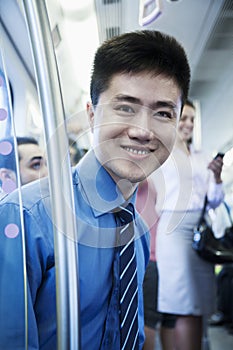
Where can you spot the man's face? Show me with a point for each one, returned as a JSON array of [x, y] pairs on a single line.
[[134, 124], [32, 164]]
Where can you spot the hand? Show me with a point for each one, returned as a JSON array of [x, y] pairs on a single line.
[[216, 166]]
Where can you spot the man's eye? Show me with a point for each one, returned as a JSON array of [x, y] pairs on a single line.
[[125, 109], [36, 165], [163, 114]]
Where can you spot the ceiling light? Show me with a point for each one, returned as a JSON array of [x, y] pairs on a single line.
[[77, 9], [149, 11]]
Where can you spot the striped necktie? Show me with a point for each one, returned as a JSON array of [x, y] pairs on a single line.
[[128, 280]]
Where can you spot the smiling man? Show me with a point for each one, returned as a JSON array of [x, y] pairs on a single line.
[[139, 83]]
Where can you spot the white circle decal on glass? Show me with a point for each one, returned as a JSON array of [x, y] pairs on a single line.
[[11, 230]]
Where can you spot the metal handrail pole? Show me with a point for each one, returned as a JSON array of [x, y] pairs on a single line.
[[60, 177]]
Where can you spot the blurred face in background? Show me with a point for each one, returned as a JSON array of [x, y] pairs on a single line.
[[186, 123], [32, 163]]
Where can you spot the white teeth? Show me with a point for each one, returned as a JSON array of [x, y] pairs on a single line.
[[136, 151]]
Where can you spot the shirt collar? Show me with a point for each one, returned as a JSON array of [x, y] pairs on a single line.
[[98, 186]]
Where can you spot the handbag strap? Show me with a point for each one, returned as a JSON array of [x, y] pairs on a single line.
[[203, 210]]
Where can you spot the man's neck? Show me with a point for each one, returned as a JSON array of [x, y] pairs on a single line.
[[126, 187]]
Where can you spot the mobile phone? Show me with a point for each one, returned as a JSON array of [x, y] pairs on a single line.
[[219, 155]]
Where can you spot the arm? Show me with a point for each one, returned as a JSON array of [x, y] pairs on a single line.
[[12, 290], [40, 296], [215, 191], [216, 166]]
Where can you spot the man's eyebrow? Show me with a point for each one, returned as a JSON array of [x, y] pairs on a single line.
[[127, 98], [164, 103], [153, 105], [35, 158]]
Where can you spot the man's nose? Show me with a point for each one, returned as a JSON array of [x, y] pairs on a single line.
[[140, 127]]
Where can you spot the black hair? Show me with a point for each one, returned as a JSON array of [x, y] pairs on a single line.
[[26, 140], [136, 52], [189, 103], [8, 161], [79, 152], [22, 140]]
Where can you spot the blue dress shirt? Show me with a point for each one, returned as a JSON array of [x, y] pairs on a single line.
[[96, 196]]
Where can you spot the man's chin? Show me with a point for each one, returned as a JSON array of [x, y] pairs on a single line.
[[128, 170], [131, 176]]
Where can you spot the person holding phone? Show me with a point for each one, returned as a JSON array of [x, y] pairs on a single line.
[[186, 282]]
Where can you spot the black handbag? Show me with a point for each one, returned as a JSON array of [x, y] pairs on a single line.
[[207, 246]]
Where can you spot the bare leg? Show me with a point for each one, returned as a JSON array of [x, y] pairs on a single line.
[[188, 333], [150, 338], [167, 337], [205, 337]]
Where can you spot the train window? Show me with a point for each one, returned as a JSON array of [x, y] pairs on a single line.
[[6, 101], [34, 119], [8, 177]]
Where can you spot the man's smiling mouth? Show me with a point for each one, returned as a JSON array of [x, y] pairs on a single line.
[[136, 151]]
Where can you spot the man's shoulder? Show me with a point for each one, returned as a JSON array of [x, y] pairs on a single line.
[[30, 194], [34, 195]]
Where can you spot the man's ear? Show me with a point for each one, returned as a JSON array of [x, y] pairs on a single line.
[[3, 174], [91, 115], [6, 174]]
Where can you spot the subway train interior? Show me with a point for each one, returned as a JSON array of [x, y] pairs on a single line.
[[69, 33]]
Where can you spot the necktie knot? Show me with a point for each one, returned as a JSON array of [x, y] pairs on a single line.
[[124, 219], [126, 214]]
